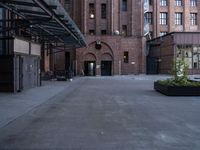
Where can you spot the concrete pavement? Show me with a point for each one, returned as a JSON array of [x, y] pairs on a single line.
[[107, 113], [13, 105]]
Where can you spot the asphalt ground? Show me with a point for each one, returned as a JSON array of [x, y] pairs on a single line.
[[106, 113]]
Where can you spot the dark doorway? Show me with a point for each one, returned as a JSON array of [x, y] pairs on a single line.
[[152, 65], [36, 71], [106, 68], [21, 70], [90, 68], [67, 61]]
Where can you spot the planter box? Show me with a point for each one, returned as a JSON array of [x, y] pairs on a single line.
[[177, 90]]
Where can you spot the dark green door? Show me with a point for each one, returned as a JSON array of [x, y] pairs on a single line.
[[152, 65], [106, 68]]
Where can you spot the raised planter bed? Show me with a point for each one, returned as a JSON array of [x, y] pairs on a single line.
[[177, 90]]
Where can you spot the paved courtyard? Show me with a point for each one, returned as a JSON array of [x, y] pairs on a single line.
[[103, 113]]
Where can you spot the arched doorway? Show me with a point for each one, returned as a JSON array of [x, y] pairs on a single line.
[[96, 61], [106, 64], [90, 65]]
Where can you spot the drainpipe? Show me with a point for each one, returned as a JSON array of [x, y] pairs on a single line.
[[156, 19]]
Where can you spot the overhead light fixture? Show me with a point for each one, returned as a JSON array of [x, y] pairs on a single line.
[[98, 45], [92, 16]]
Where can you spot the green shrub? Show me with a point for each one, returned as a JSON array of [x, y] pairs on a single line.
[[180, 71], [180, 76], [172, 82]]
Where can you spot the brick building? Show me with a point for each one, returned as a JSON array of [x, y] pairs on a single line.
[[117, 32], [173, 31], [165, 16], [175, 45], [114, 34]]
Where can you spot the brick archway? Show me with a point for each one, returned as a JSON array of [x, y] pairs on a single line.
[[106, 57], [103, 56], [89, 64], [89, 57], [107, 64], [104, 49]]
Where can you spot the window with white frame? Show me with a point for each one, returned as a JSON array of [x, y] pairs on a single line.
[[163, 18], [193, 19], [163, 2], [193, 3], [178, 3], [178, 18]]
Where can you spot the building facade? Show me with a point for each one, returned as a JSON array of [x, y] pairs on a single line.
[[122, 28], [174, 46], [114, 35], [31, 32], [173, 32], [117, 32], [165, 16], [19, 56]]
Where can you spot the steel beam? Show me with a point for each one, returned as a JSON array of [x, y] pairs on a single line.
[[24, 3], [24, 17], [45, 7], [36, 12], [54, 28]]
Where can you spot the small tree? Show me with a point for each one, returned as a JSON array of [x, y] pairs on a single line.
[[180, 71]]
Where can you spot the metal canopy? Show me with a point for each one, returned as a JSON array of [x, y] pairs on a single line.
[[48, 19]]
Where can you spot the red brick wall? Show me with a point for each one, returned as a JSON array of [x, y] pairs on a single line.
[[115, 46], [164, 52], [134, 43], [171, 9], [118, 44]]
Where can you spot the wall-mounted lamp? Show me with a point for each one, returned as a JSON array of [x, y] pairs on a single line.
[[91, 16]]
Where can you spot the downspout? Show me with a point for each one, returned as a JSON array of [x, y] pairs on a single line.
[[156, 19]]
